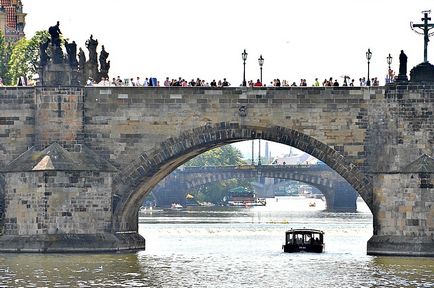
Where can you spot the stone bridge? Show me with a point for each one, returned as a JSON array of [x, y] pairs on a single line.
[[77, 162], [339, 195]]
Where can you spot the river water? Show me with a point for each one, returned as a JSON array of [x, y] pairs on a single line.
[[229, 247]]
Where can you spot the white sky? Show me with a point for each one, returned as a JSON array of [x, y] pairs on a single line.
[[204, 38]]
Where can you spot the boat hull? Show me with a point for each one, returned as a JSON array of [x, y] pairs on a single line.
[[314, 248]]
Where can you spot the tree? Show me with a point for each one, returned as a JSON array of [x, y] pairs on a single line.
[[5, 52], [24, 60], [33, 49], [18, 65], [222, 156]]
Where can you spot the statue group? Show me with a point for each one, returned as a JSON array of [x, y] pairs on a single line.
[[53, 62]]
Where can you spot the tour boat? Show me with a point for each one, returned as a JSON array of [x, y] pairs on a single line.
[[242, 197], [307, 240]]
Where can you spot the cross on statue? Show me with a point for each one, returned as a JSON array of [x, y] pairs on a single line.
[[425, 27]]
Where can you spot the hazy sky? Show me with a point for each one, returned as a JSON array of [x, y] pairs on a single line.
[[204, 38]]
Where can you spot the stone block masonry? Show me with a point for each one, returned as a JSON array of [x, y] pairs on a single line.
[[377, 138], [17, 122], [59, 114], [2, 204], [57, 202]]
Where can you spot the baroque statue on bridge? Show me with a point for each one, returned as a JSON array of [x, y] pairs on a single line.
[[55, 66], [53, 59], [104, 64], [57, 55], [81, 59], [92, 64], [402, 63], [55, 33], [91, 45], [44, 58], [71, 49], [402, 76]]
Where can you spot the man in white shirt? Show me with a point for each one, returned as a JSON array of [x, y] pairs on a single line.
[[138, 83]]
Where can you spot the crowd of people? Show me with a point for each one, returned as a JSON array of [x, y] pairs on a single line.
[[181, 82], [153, 82]]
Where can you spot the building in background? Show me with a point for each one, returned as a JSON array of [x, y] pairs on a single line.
[[12, 20], [295, 159]]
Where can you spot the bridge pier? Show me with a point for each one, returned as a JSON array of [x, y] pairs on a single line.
[[403, 205], [170, 191], [341, 198], [61, 201]]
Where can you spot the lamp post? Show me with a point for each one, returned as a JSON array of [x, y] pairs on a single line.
[[253, 152], [368, 57], [244, 56], [259, 153], [389, 62], [261, 63]]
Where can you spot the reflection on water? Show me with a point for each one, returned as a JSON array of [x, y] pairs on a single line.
[[221, 247]]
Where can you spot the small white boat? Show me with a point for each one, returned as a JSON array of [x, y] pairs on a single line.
[[176, 206], [144, 209]]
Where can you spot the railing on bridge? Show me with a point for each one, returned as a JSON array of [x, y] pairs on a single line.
[[273, 167]]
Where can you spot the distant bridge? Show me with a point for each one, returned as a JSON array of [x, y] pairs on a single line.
[[339, 195]]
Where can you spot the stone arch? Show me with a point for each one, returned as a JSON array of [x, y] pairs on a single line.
[[221, 177], [140, 176], [328, 187], [312, 180], [320, 187]]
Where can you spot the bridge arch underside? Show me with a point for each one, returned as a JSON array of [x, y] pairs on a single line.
[[331, 189], [133, 183]]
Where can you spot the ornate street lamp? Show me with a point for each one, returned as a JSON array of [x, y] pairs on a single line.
[[261, 63], [389, 60], [259, 153], [244, 56], [253, 152], [368, 57]]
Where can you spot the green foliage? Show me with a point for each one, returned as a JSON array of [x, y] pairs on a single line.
[[17, 62], [214, 192], [33, 49], [222, 156], [5, 52], [24, 58]]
